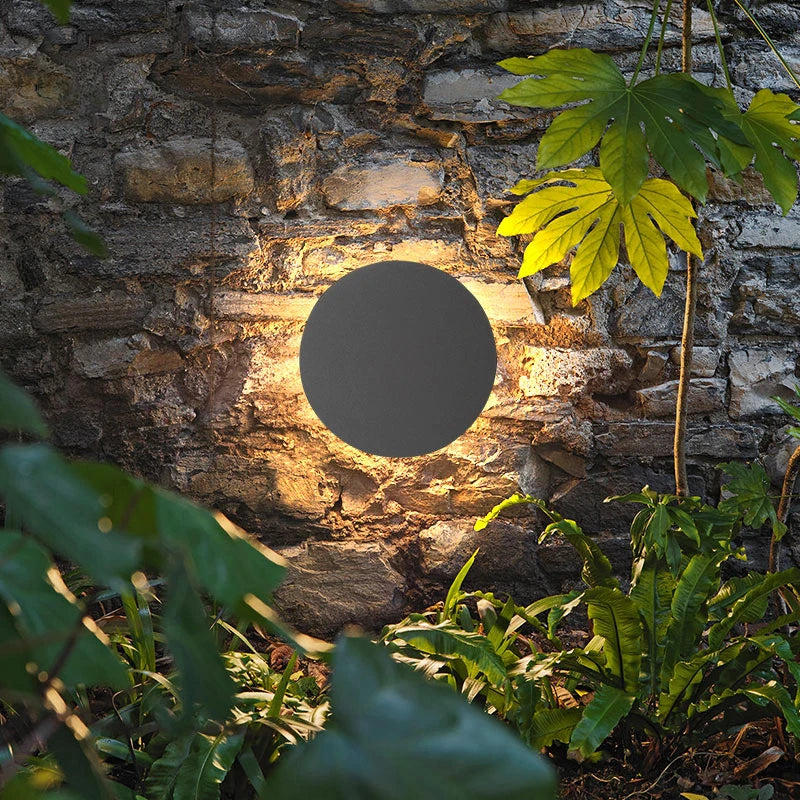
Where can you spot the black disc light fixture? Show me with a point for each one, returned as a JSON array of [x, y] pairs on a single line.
[[397, 358]]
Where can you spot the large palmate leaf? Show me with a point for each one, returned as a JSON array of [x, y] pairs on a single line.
[[668, 114], [616, 618], [395, 734], [608, 706], [771, 135], [577, 208], [751, 496]]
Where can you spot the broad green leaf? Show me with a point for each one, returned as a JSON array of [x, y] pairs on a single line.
[[748, 606], [164, 773], [685, 676], [789, 408], [669, 114], [394, 733], [18, 412], [616, 618], [554, 725], [47, 614], [202, 675], [21, 153], [652, 595], [80, 764], [608, 706], [209, 760], [689, 616], [228, 565], [38, 486], [597, 569], [751, 496], [731, 591], [585, 214], [15, 655], [446, 639], [774, 138]]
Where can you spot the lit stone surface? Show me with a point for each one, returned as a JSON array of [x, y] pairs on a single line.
[[757, 375], [383, 185], [179, 171]]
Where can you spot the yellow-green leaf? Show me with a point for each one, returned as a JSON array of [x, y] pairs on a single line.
[[578, 208]]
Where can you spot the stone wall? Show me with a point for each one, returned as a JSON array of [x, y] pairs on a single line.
[[350, 132]]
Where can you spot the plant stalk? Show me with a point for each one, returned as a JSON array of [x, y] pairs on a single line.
[[789, 480], [687, 338]]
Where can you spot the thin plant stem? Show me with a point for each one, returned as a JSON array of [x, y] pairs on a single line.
[[687, 337], [789, 479], [722, 58], [766, 37], [647, 39], [667, 12]]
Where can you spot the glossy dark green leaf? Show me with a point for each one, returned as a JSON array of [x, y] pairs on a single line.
[[21, 152], [396, 734], [47, 615], [228, 565], [84, 235], [202, 675], [38, 485], [18, 412]]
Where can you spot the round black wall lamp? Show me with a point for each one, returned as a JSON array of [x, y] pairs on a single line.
[[397, 358]]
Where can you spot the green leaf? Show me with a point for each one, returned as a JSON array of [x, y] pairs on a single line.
[[616, 618], [731, 591], [454, 592], [685, 676], [209, 760], [47, 614], [587, 215], [18, 412], [554, 725], [748, 606], [228, 565], [164, 773], [597, 569], [37, 485], [509, 502], [751, 496], [689, 617], [81, 766], [394, 734], [447, 639], [769, 130], [60, 9], [202, 675], [669, 114], [23, 154], [84, 235], [652, 595], [608, 706]]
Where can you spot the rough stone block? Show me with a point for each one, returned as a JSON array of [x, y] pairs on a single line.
[[469, 95], [769, 230], [35, 87], [504, 303], [384, 182], [705, 360], [332, 584], [423, 6], [705, 395], [252, 306], [757, 375], [555, 372], [105, 311], [750, 191], [179, 171], [239, 27], [606, 26], [133, 355]]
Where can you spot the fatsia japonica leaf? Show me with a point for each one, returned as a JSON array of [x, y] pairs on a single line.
[[577, 208], [772, 136], [670, 115]]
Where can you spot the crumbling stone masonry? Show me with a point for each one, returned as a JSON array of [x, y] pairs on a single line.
[[348, 132]]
